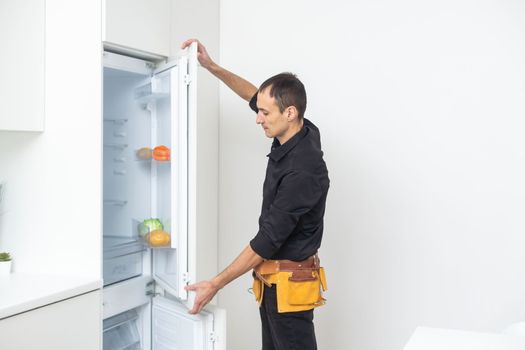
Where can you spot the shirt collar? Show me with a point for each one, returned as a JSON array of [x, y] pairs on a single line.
[[279, 151]]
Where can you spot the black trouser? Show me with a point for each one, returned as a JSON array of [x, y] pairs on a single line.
[[287, 330]]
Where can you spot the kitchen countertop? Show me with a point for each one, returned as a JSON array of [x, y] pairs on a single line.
[[21, 292]]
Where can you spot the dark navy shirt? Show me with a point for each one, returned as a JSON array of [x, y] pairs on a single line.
[[294, 197]]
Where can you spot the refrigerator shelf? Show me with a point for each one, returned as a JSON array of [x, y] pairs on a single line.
[[115, 246], [115, 202], [118, 121], [151, 98], [153, 160], [116, 145], [152, 91]]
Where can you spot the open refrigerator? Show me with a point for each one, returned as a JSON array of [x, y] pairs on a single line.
[[151, 173]]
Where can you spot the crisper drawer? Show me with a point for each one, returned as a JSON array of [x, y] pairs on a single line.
[[121, 332], [122, 259]]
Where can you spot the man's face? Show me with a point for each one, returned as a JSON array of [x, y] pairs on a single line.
[[274, 123]]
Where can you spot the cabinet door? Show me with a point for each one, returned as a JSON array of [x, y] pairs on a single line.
[[139, 24], [70, 324], [175, 193], [22, 38], [173, 328]]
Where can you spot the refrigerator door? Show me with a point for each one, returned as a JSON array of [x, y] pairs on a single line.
[[174, 329], [170, 266]]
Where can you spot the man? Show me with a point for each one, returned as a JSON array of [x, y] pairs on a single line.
[[283, 254]]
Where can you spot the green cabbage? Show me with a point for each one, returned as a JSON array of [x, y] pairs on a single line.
[[149, 225]]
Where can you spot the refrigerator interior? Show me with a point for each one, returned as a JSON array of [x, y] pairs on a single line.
[[144, 307], [136, 116]]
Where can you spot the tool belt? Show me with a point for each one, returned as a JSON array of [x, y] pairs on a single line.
[[299, 284]]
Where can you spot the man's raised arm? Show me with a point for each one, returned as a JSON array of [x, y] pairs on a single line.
[[240, 86]]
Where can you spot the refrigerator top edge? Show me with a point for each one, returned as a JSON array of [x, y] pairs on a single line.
[[132, 52], [128, 64]]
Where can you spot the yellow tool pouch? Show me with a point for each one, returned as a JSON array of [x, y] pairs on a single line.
[[257, 289], [304, 289], [297, 290]]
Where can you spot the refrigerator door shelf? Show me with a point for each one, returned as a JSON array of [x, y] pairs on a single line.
[[158, 162], [154, 236], [147, 244], [157, 155]]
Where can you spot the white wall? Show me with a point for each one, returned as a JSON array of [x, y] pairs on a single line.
[[53, 178], [420, 105]]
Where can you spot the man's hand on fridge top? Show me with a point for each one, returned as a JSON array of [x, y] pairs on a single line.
[[205, 291], [240, 86], [202, 55]]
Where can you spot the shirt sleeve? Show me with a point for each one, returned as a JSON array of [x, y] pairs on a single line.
[[253, 103], [297, 194]]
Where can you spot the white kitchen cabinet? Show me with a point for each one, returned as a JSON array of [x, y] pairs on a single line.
[[139, 24], [22, 71], [69, 324]]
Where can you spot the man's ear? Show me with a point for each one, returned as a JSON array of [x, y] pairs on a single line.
[[292, 113]]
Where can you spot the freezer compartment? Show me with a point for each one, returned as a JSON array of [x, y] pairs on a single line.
[[128, 303], [122, 258], [174, 328], [122, 332]]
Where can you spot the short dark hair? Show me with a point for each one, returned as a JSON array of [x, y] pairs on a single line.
[[287, 90]]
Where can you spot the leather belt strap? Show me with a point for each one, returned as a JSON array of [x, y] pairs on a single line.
[[268, 267]]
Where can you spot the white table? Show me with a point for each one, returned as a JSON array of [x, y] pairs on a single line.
[[447, 339]]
